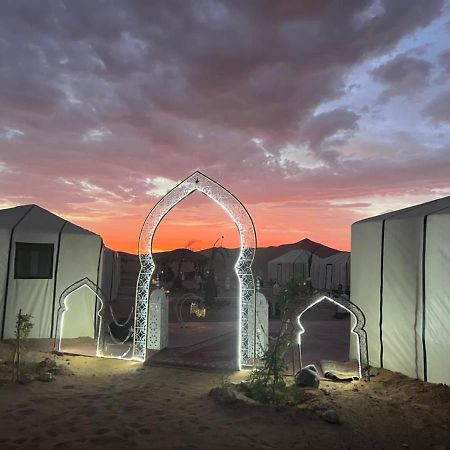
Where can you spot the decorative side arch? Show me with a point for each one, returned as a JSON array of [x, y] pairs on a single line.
[[85, 282], [358, 329], [239, 214]]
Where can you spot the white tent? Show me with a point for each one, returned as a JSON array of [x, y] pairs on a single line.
[[41, 255], [291, 265], [332, 273], [400, 279]]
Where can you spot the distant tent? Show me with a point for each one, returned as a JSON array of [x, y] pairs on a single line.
[[291, 265], [41, 255], [400, 279], [332, 273]]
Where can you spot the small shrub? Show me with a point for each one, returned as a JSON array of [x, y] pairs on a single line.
[[24, 325]]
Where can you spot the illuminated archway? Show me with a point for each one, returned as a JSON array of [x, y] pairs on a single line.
[[358, 329], [240, 216], [63, 308]]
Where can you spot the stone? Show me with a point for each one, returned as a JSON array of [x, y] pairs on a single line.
[[373, 371], [223, 394], [330, 416], [25, 378], [51, 366], [46, 377], [307, 377], [62, 369]]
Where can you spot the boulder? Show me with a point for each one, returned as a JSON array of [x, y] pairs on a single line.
[[223, 394], [330, 416], [46, 377], [307, 377]]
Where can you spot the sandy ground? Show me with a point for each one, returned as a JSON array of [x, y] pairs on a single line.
[[117, 404]]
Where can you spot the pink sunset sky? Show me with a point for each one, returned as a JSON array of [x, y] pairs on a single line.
[[315, 114]]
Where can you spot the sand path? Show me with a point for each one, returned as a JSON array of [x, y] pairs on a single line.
[[115, 404]]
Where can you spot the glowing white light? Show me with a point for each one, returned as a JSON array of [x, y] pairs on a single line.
[[358, 329], [240, 216], [65, 308]]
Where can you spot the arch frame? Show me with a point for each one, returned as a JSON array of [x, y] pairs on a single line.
[[89, 284], [198, 182], [358, 329]]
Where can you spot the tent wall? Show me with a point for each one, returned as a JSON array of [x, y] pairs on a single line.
[[8, 224], [400, 267], [437, 298], [32, 296], [332, 272], [367, 238], [80, 257], [76, 255], [292, 265]]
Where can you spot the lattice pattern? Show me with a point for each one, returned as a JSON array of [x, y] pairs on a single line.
[[259, 326], [199, 182], [158, 321]]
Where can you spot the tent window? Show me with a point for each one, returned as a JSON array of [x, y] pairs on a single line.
[[33, 260]]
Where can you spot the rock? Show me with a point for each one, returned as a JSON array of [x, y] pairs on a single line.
[[373, 371], [330, 416], [223, 394], [62, 369], [53, 367], [307, 377], [25, 378], [46, 377]]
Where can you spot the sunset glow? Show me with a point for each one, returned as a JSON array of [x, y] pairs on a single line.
[[314, 115]]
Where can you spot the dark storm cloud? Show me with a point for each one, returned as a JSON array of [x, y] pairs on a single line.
[[185, 85], [438, 110], [444, 60], [403, 75], [322, 126]]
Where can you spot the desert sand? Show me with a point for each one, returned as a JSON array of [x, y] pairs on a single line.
[[116, 404]]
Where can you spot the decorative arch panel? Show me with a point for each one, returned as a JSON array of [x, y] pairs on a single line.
[[239, 214], [358, 329]]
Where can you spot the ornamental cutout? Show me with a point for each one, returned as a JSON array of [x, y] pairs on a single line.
[[239, 214], [358, 329]]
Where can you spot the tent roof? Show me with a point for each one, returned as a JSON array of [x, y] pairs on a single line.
[[292, 256], [441, 206], [44, 220]]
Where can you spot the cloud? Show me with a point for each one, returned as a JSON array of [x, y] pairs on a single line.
[[444, 61], [118, 100], [403, 75], [9, 134], [96, 135], [159, 186], [323, 126], [438, 110]]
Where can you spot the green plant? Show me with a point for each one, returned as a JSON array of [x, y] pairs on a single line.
[[24, 325], [267, 383]]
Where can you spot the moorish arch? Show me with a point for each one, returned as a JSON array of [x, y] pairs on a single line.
[[358, 329], [240, 216]]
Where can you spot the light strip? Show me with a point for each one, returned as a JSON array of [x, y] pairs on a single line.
[[236, 210], [358, 328]]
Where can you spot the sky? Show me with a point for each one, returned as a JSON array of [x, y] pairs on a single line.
[[315, 114]]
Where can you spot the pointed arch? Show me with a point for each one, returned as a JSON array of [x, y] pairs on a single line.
[[88, 284], [240, 216], [358, 329]]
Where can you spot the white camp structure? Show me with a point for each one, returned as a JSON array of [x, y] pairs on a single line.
[[331, 273], [291, 265], [41, 255], [400, 279]]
